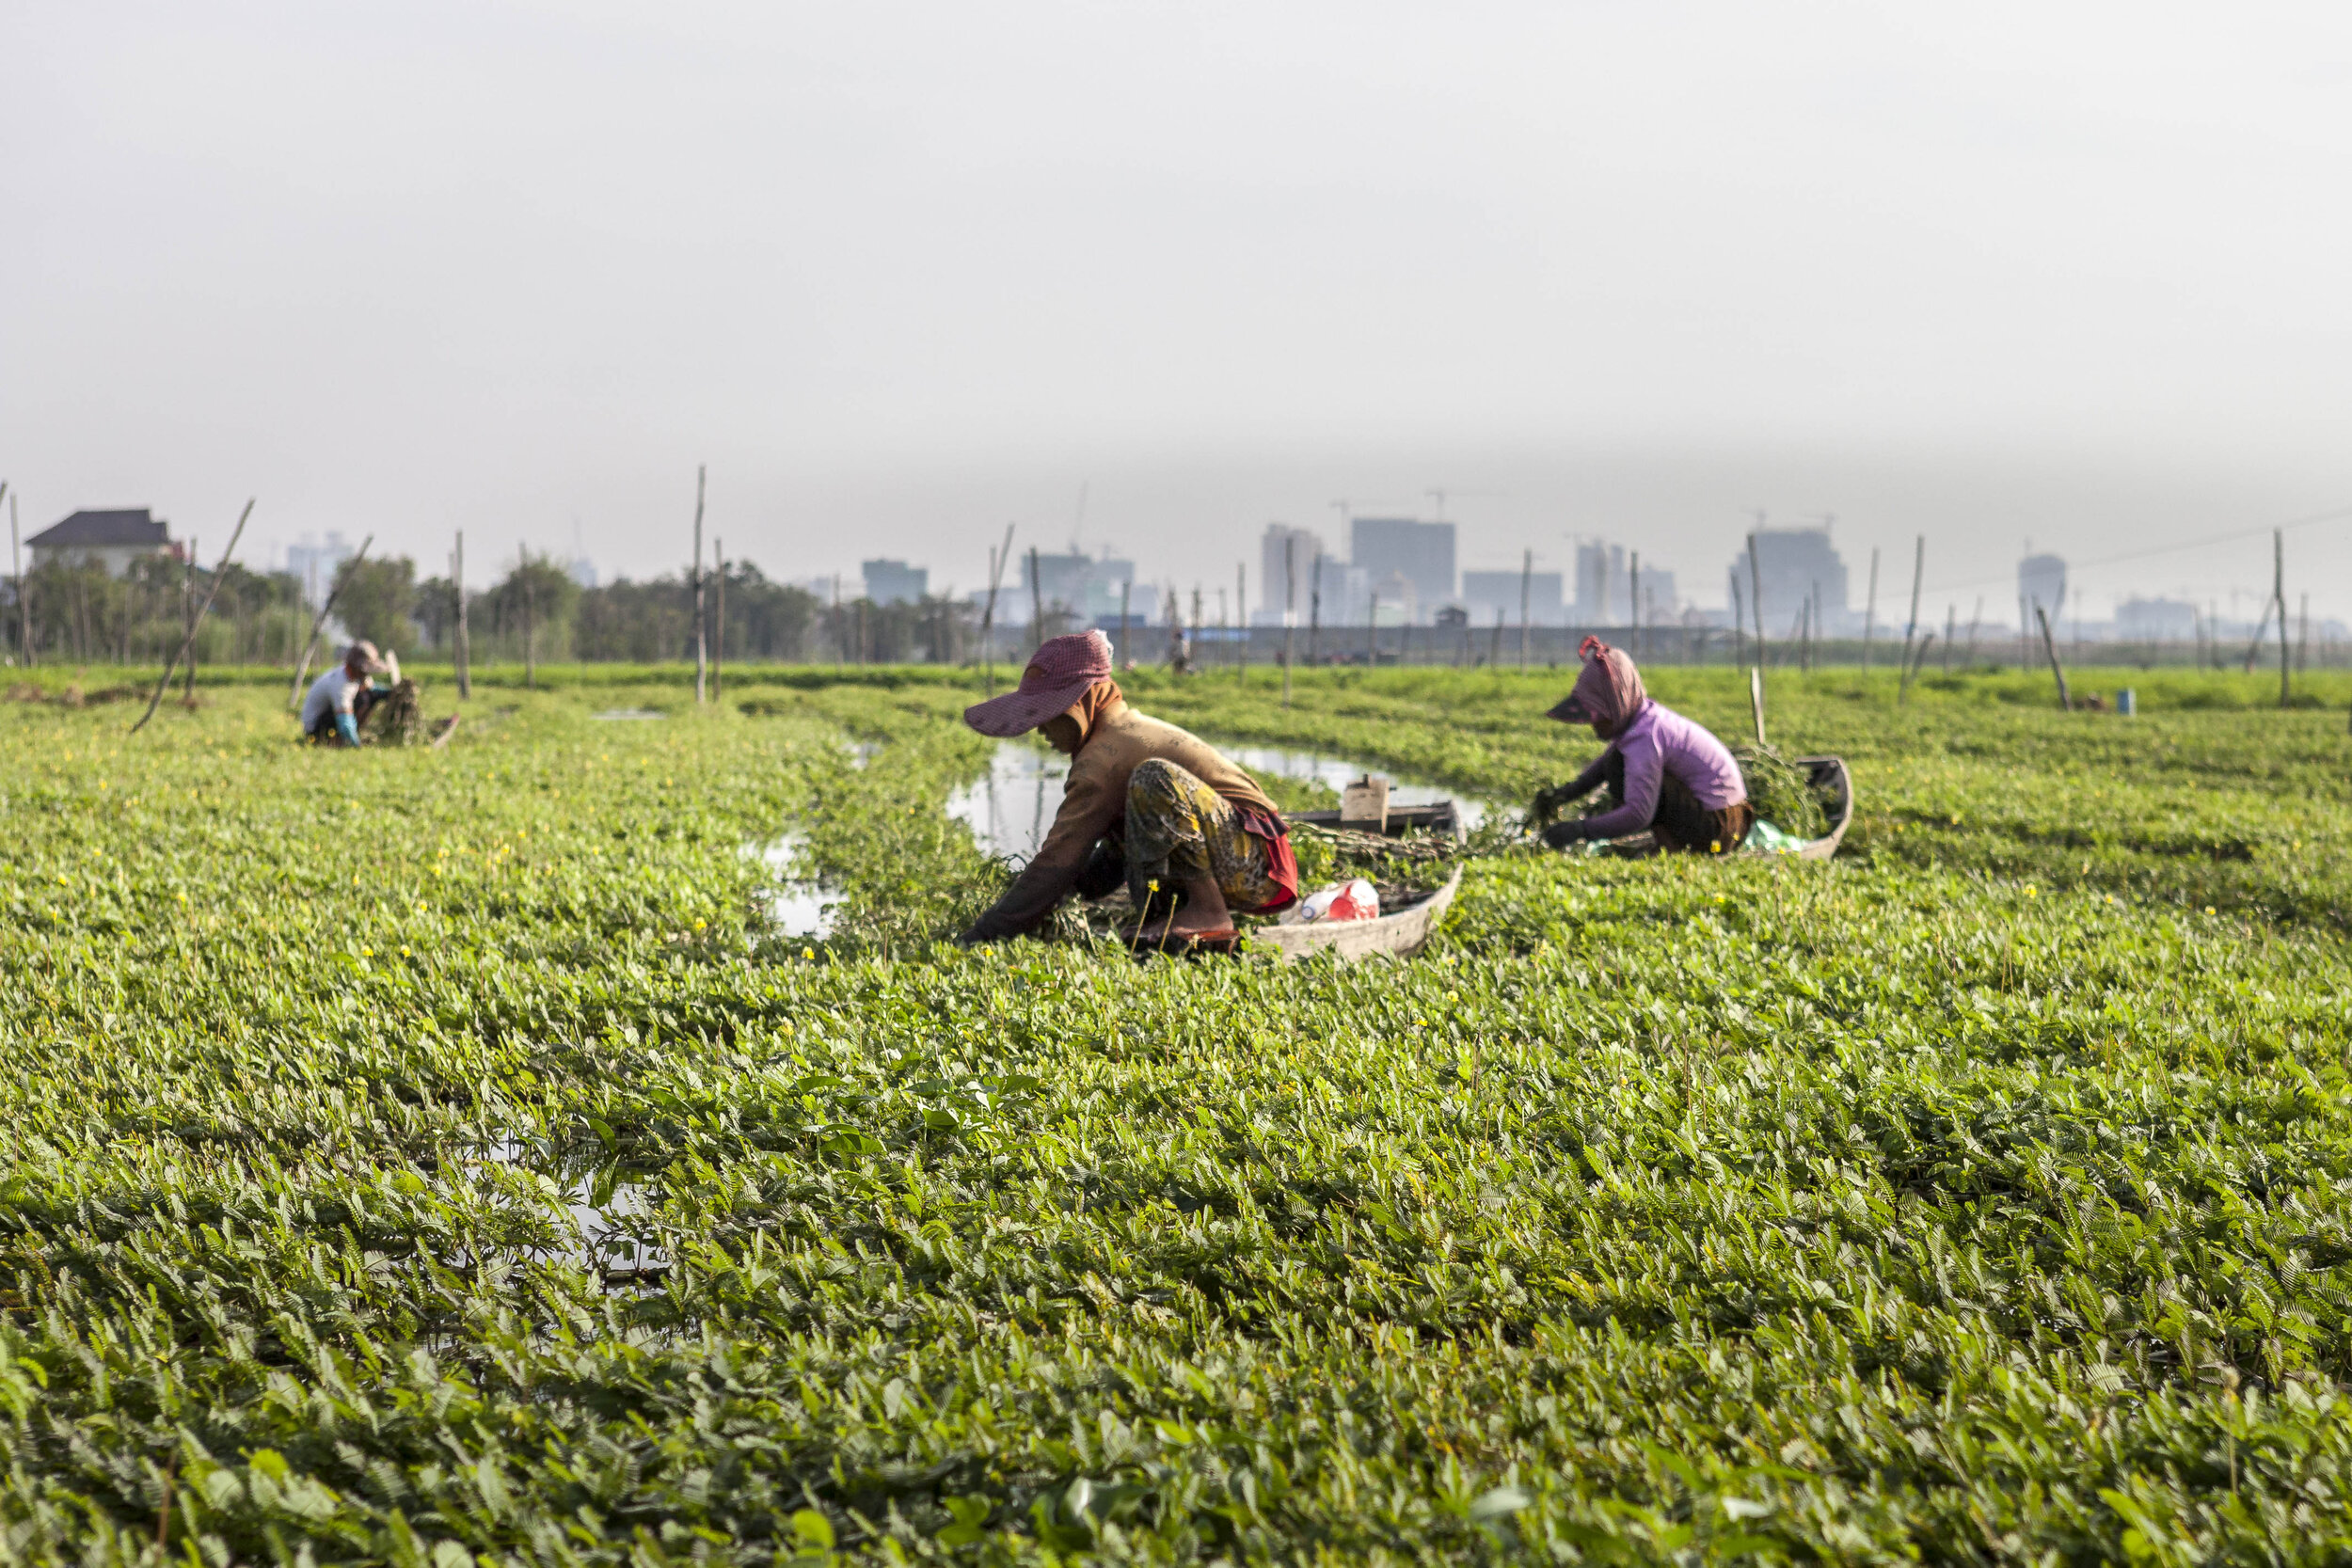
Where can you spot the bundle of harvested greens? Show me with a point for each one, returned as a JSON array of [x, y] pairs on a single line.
[[1781, 792], [398, 715]]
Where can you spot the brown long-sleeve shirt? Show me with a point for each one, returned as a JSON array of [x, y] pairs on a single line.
[[1095, 802]]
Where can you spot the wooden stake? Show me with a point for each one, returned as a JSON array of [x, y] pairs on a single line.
[[718, 615], [702, 630], [1870, 610], [463, 649], [187, 648], [293, 697], [1756, 700], [988, 617], [1125, 655], [1314, 607], [1910, 628], [1755, 619], [187, 620], [1290, 607], [2279, 595], [2049, 646], [1527, 584], [24, 594]]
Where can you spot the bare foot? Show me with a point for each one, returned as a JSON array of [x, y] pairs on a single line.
[[1205, 913]]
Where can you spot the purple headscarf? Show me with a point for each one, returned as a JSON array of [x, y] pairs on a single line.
[[1608, 690]]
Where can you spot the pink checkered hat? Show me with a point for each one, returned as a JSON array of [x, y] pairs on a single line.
[[1060, 674]]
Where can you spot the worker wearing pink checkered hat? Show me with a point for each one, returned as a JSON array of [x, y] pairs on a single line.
[[1156, 804]]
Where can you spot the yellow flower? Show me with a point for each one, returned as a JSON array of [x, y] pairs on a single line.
[[2030, 890]]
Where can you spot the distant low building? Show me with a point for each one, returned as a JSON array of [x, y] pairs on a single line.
[[896, 582], [2139, 620], [113, 539], [584, 571]]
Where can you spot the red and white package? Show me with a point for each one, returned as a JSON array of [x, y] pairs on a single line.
[[1350, 901]]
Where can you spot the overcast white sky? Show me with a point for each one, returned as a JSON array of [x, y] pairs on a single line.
[[903, 272]]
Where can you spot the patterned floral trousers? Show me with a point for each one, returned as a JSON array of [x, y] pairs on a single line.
[[1179, 829]]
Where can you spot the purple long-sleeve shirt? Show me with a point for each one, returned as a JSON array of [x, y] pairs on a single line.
[[1661, 741]]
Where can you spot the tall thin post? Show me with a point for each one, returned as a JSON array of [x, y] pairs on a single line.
[[1738, 622], [1124, 654], [464, 649], [2278, 594], [702, 638], [718, 613], [1969, 662], [1036, 604], [1951, 621], [996, 560], [187, 648], [188, 619], [1755, 619], [2303, 632], [1870, 610], [1314, 607], [1371, 631], [1241, 617], [1290, 607], [1527, 584], [2049, 645], [840, 629], [1910, 626], [23, 602], [1756, 700], [1633, 604], [1494, 643], [531, 626]]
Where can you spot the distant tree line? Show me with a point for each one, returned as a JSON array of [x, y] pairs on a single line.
[[81, 614]]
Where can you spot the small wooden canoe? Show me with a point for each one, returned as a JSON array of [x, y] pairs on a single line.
[[1829, 777], [1400, 932], [1835, 785]]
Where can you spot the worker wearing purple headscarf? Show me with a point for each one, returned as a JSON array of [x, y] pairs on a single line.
[[1667, 774]]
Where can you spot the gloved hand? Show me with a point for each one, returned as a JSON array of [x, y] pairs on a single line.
[[1548, 803], [1560, 834]]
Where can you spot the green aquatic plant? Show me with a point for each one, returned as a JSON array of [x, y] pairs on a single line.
[[1979, 1194]]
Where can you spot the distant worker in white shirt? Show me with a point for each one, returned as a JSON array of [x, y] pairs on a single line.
[[340, 700]]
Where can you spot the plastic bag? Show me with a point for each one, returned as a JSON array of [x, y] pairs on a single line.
[[1350, 901]]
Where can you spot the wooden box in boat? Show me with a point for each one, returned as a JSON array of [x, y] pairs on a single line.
[[1400, 932]]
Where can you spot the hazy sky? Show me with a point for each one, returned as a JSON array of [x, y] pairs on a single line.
[[901, 272]]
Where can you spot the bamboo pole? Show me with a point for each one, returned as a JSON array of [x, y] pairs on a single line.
[[302, 668], [1870, 610], [702, 630], [464, 648], [1756, 700], [718, 615], [1527, 584], [187, 648], [1910, 628], [988, 617], [1314, 607], [1036, 605], [24, 594], [2279, 596], [1126, 654], [1755, 619], [1290, 607], [2049, 646]]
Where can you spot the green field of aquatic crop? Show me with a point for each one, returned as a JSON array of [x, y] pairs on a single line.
[[444, 1157]]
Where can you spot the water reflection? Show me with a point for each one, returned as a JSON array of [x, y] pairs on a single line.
[[798, 905], [1010, 808]]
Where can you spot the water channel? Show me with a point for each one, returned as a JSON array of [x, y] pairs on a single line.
[[1010, 808]]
